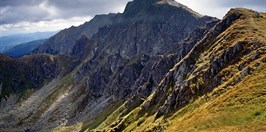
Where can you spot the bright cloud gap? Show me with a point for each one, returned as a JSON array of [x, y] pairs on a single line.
[[53, 25]]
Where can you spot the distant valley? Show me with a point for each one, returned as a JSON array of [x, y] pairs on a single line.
[[7, 42], [24, 49]]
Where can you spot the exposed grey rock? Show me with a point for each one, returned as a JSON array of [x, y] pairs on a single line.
[[183, 75], [264, 60], [257, 64], [246, 72], [8, 102]]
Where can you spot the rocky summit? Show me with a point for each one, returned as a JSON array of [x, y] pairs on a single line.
[[158, 66]]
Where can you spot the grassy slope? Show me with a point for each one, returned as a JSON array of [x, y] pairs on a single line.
[[241, 107], [232, 106]]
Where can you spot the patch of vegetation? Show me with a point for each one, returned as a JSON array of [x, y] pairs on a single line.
[[104, 118], [241, 107], [112, 117]]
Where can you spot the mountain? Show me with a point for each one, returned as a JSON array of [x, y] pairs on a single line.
[[158, 66], [24, 49], [218, 86], [156, 15], [63, 42], [7, 42]]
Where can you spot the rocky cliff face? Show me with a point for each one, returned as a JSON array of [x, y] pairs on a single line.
[[121, 50], [230, 52], [148, 62]]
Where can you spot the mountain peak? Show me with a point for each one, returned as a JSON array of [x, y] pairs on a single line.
[[243, 13], [153, 7]]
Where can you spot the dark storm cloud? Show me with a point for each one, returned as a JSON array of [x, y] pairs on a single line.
[[14, 11], [87, 7], [4, 3]]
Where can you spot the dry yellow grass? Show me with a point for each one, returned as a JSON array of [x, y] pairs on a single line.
[[241, 108], [231, 108]]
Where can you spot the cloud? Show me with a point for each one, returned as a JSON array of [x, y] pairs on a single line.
[[52, 25], [13, 11], [26, 15], [219, 8], [18, 16]]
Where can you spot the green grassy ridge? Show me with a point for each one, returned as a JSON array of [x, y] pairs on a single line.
[[234, 105], [104, 118], [239, 107]]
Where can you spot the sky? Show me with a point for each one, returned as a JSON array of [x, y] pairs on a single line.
[[25, 16]]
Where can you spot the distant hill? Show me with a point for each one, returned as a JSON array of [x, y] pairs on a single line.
[[64, 41], [24, 49], [7, 42]]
